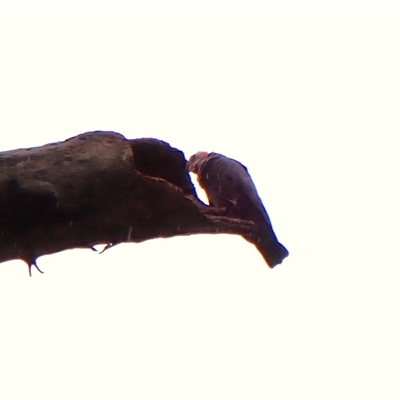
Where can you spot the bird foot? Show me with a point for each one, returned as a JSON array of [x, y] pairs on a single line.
[[216, 210]]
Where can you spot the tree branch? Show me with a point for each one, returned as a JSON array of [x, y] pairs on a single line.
[[96, 188]]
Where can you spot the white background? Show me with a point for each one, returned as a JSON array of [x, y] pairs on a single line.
[[306, 95]]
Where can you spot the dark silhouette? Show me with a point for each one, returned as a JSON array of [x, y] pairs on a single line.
[[99, 188], [229, 187]]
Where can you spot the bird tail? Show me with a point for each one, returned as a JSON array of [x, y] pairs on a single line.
[[267, 244], [272, 252]]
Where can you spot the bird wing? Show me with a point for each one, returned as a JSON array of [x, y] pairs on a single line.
[[236, 187]]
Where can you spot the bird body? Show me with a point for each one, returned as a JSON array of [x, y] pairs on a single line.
[[229, 186]]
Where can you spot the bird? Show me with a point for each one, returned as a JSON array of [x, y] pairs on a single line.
[[228, 186]]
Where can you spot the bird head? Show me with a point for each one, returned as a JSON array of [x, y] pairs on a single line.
[[195, 161]]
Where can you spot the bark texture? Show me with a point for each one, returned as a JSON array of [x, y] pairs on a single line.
[[99, 188]]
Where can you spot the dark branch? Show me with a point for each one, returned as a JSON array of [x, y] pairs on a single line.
[[96, 188]]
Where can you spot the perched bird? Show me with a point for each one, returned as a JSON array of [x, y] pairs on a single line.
[[229, 186]]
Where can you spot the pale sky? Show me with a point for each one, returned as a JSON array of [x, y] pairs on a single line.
[[307, 96]]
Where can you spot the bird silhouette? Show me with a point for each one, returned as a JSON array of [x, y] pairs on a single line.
[[229, 186]]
